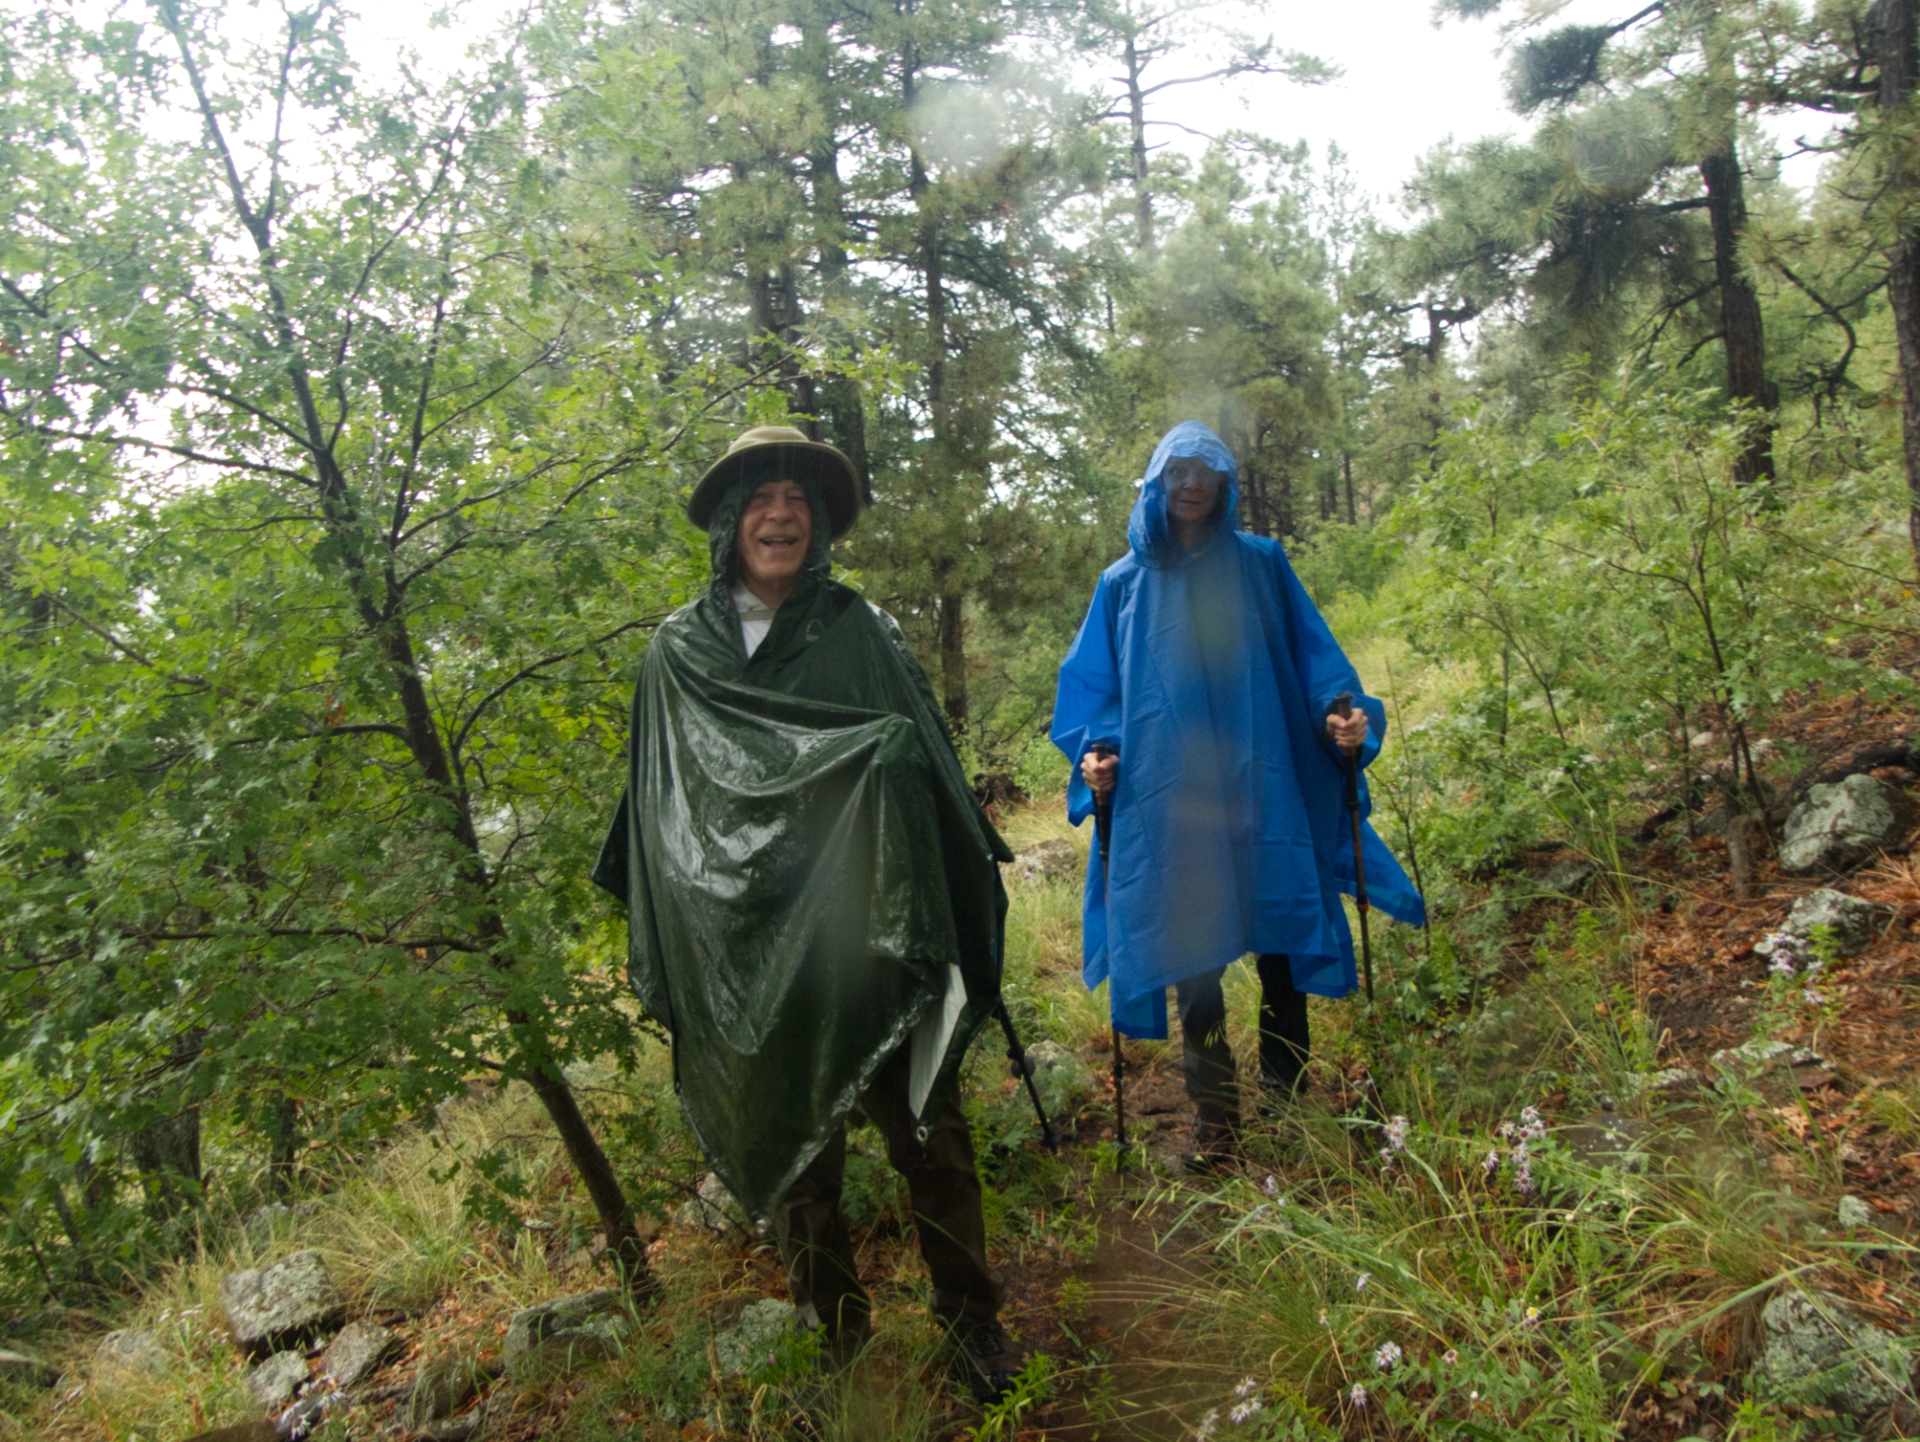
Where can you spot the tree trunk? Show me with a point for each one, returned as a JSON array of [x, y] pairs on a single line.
[[953, 659], [167, 1150], [283, 1145], [1899, 37], [1137, 128], [1346, 474], [1743, 333]]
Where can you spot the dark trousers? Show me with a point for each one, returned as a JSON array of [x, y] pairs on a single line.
[[945, 1192], [1203, 1030]]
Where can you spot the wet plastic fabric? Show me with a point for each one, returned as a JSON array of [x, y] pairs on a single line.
[[807, 874], [1213, 673]]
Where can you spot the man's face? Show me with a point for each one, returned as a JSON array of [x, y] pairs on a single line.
[[1192, 488], [775, 531]]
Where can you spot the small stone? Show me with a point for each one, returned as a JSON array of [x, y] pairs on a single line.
[[131, 1347], [453, 1429], [271, 1216], [1751, 1055], [1569, 877], [561, 1336], [1047, 861], [1667, 1079], [26, 1369], [351, 1356], [291, 1301], [1852, 1212], [1852, 921], [712, 1208], [1818, 1351], [1061, 1078], [276, 1380], [754, 1340], [1840, 826], [444, 1385]]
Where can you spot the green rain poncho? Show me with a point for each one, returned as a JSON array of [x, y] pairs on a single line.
[[809, 881]]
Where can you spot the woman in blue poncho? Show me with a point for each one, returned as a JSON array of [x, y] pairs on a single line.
[[1205, 664]]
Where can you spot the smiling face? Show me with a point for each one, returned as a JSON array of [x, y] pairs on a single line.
[[1193, 488], [776, 530]]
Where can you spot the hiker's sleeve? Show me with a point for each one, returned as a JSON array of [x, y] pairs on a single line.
[[1086, 705]]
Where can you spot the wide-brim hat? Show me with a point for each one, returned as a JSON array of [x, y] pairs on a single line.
[[781, 453]]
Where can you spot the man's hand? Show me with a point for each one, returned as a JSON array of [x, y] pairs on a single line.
[[1348, 733], [1099, 772]]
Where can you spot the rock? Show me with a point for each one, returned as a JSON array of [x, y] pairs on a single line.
[[1061, 1078], [131, 1347], [1565, 878], [240, 1432], [263, 1220], [1048, 861], [1817, 1350], [1853, 921], [453, 1429], [1607, 1139], [351, 1356], [444, 1385], [291, 1301], [711, 1208], [277, 1379], [299, 1420], [25, 1369], [755, 1339], [562, 1335], [1852, 1212], [1665, 1080], [1751, 1056], [1840, 826]]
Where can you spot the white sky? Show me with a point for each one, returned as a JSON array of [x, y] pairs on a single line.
[[1408, 84]]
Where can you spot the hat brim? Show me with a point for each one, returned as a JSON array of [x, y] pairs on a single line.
[[792, 460]]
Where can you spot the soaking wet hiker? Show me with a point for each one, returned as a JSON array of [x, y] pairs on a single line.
[[814, 905], [1205, 667]]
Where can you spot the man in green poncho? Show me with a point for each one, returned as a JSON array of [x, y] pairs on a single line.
[[814, 903]]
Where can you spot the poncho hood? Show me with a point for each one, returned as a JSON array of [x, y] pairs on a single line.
[[1148, 532], [810, 884], [1212, 672]]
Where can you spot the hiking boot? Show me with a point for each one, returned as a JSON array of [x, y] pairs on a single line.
[[1216, 1140], [984, 1360]]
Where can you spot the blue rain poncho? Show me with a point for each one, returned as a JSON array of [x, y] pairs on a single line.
[[1213, 673]]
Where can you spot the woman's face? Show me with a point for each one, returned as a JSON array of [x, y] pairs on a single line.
[[1192, 489]]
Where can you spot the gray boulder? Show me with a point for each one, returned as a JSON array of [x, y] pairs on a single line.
[[754, 1340], [711, 1208], [1048, 861], [1061, 1078], [277, 1379], [25, 1369], [561, 1336], [1840, 826], [1853, 921], [351, 1356], [134, 1348], [1819, 1351], [294, 1300]]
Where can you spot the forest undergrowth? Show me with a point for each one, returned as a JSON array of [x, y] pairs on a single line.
[[1523, 1199]]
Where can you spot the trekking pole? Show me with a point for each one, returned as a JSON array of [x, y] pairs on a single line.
[[1022, 1068], [1103, 831], [1343, 708]]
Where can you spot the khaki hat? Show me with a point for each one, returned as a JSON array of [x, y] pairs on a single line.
[[786, 450]]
